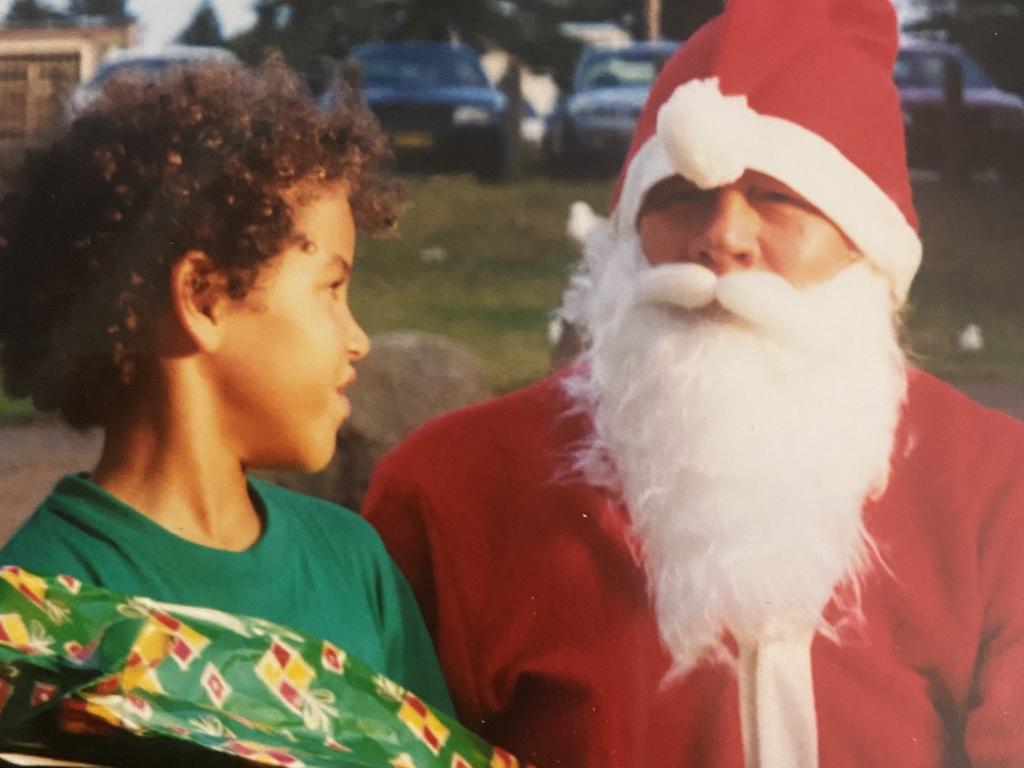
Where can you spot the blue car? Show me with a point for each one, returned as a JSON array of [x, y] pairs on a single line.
[[437, 105], [592, 126]]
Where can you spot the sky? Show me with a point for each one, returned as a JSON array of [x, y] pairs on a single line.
[[160, 21]]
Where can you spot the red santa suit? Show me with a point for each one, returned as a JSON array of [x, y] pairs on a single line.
[[537, 601], [530, 579]]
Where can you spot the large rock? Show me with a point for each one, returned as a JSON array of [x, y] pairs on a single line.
[[407, 378]]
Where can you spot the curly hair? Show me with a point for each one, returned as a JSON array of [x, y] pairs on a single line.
[[201, 159]]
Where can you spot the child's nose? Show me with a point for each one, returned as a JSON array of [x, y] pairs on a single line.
[[358, 345]]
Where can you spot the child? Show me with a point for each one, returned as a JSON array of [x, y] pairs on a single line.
[[175, 269]]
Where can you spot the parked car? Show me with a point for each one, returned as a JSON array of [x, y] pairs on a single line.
[[436, 103], [148, 62], [993, 122], [593, 124]]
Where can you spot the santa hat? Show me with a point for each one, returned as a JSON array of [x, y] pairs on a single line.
[[800, 90]]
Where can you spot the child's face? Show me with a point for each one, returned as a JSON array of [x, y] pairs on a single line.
[[290, 344]]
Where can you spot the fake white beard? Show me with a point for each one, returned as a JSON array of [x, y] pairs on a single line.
[[744, 442]]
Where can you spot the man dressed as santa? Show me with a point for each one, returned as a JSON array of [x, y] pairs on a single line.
[[742, 531]]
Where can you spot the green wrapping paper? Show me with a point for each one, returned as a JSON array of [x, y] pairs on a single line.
[[233, 684]]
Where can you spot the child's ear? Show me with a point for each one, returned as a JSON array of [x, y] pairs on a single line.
[[199, 298]]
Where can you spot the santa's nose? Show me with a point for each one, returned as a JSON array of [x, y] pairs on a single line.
[[726, 238]]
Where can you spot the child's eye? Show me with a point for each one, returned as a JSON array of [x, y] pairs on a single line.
[[341, 277]]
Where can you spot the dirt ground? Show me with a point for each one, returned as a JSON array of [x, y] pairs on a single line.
[[33, 456]]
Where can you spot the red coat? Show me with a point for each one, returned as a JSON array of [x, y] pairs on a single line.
[[542, 621]]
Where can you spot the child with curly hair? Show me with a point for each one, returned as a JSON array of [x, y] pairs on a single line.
[[175, 269]]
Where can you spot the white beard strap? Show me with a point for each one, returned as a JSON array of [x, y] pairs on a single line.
[[777, 712]]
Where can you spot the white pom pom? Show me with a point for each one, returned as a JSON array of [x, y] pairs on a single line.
[[689, 286], [581, 220], [702, 132]]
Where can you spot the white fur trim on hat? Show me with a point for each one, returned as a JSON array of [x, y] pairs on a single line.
[[710, 139]]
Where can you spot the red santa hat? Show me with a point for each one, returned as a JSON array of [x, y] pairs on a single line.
[[800, 90]]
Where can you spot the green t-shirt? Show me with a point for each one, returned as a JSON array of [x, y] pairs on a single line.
[[317, 568]]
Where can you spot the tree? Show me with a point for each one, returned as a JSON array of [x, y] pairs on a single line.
[[313, 33], [204, 29], [113, 11], [31, 12]]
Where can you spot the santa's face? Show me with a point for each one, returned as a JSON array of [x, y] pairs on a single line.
[[756, 222], [742, 415]]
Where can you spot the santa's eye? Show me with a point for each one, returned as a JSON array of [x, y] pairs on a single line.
[[681, 193], [669, 193], [778, 196], [772, 195]]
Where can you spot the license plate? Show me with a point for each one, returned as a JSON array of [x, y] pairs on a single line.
[[412, 140]]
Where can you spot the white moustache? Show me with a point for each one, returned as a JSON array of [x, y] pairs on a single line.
[[762, 299]]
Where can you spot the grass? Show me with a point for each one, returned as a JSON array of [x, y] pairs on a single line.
[[972, 272], [500, 264], [485, 264]]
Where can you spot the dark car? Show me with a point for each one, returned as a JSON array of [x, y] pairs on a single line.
[[593, 124], [993, 119], [436, 103]]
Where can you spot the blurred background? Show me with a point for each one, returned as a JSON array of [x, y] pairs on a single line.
[[502, 113]]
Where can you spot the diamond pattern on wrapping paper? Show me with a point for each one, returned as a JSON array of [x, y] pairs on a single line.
[[332, 658], [42, 693], [215, 685], [286, 674], [423, 723], [265, 755]]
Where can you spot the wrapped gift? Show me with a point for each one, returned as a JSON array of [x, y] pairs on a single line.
[[237, 685]]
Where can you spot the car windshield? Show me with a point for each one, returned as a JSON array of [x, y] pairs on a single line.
[[609, 69], [413, 67], [916, 69]]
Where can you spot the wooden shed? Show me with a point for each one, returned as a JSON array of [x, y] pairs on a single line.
[[39, 68]]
